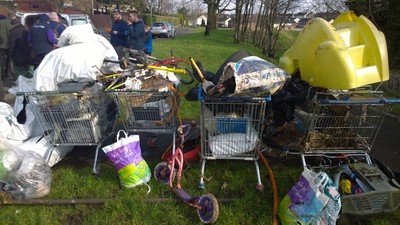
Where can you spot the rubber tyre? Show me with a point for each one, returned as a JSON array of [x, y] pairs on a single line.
[[209, 212], [162, 172], [233, 58]]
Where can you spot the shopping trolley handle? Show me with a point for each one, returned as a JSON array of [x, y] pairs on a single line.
[[160, 90], [369, 101], [30, 93], [227, 98]]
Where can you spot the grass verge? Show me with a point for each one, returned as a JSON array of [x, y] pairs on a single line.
[[234, 181]]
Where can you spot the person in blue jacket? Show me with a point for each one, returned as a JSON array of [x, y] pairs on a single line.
[[42, 38], [119, 32], [148, 45], [136, 31]]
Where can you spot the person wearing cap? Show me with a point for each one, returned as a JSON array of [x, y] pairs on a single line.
[[118, 32], [5, 27], [42, 38], [20, 50], [136, 31], [55, 24]]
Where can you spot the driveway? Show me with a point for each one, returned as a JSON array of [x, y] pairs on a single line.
[[387, 144]]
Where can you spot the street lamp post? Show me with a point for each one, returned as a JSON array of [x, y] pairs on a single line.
[[151, 12], [172, 13]]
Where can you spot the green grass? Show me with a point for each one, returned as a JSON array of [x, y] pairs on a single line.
[[212, 51], [235, 180]]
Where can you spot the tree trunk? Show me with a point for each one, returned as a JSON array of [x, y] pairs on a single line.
[[238, 23], [211, 17]]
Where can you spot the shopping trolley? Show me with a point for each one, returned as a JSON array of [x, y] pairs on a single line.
[[340, 136], [341, 128], [74, 118], [145, 110], [231, 128]]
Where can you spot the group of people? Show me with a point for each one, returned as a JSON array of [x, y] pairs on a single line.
[[133, 34], [21, 49]]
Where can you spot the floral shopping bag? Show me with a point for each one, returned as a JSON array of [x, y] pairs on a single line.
[[127, 157]]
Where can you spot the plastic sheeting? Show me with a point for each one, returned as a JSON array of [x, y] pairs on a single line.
[[79, 60], [252, 76], [73, 63], [41, 146]]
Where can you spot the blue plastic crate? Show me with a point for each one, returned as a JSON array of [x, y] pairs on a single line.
[[231, 125]]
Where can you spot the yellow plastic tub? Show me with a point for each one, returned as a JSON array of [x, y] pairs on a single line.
[[347, 54]]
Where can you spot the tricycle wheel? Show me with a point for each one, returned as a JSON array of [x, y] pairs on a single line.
[[162, 172], [209, 211]]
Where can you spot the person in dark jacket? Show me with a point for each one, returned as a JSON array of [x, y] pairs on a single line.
[[136, 31], [5, 27], [20, 50], [118, 32], [42, 38]]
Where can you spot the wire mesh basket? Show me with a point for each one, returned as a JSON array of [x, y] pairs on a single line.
[[151, 110], [342, 126], [72, 118], [231, 128]]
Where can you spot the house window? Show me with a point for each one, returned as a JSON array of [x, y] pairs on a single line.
[[34, 6]]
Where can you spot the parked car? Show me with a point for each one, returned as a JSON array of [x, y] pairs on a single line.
[[302, 22], [290, 23], [162, 29], [28, 19]]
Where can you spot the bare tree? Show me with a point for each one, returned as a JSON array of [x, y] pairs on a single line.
[[271, 18], [196, 9], [84, 5], [56, 5], [214, 7], [336, 6]]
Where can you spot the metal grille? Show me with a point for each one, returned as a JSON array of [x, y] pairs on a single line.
[[147, 110], [340, 126], [231, 128], [72, 119]]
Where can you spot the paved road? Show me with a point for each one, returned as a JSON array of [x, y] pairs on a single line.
[[387, 144], [179, 31]]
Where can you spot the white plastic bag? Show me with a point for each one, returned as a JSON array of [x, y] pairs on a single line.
[[126, 155], [41, 146], [314, 199], [26, 174], [10, 128]]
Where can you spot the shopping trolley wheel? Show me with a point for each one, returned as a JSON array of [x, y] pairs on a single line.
[[201, 186], [162, 172], [152, 142], [260, 187], [209, 211], [96, 171]]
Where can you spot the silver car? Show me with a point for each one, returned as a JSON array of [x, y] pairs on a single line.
[[162, 29]]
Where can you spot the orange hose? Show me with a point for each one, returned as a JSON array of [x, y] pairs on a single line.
[[274, 187]]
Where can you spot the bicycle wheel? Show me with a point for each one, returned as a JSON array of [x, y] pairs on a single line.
[[209, 211]]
